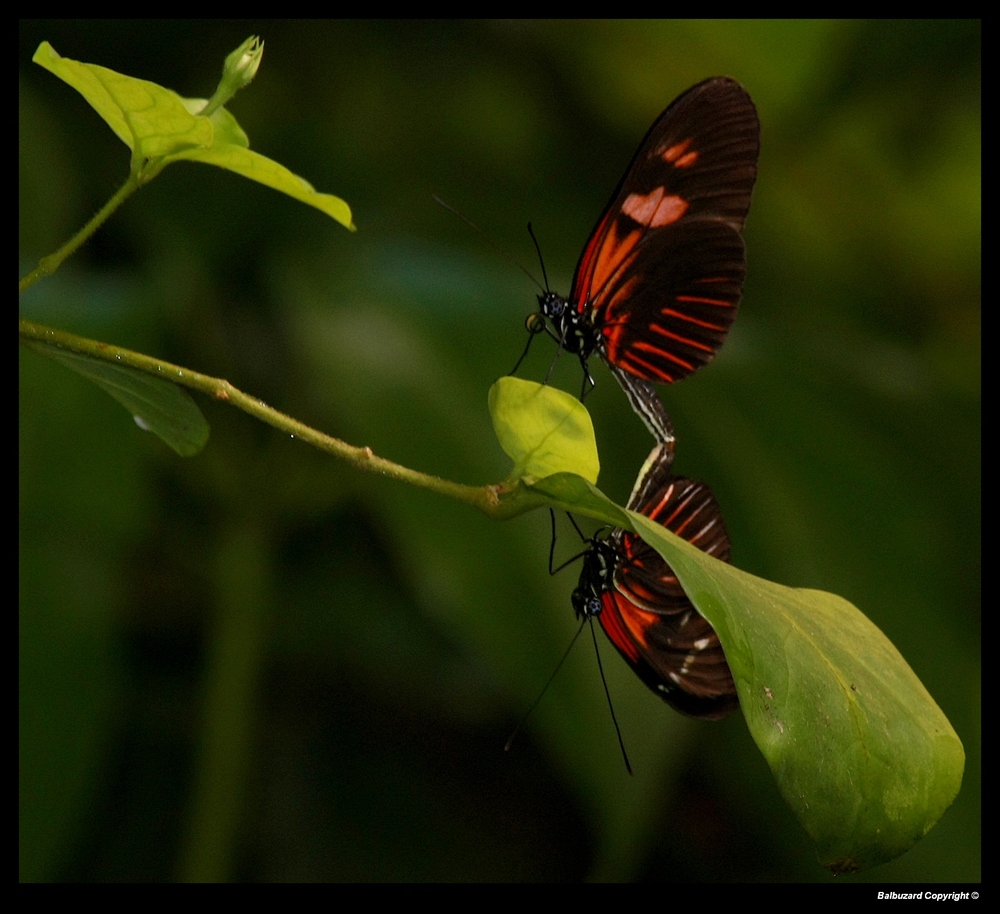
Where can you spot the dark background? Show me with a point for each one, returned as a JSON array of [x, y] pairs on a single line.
[[261, 664]]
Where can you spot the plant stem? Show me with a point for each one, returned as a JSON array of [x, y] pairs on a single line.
[[232, 681], [48, 265], [496, 501]]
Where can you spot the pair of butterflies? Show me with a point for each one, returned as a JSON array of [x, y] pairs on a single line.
[[654, 294]]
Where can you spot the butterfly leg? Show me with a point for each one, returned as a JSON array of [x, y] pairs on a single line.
[[589, 540], [588, 379], [561, 340], [534, 324]]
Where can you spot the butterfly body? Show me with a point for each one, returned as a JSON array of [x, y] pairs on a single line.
[[574, 334]]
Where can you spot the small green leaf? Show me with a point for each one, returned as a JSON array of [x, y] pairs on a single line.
[[156, 405], [543, 430], [860, 751], [160, 128], [227, 128], [570, 492]]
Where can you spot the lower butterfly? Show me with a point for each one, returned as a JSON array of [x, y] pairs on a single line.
[[640, 604]]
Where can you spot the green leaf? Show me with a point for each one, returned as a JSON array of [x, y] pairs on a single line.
[[156, 405], [150, 120], [543, 430], [266, 171], [570, 492], [860, 751], [227, 128], [160, 128]]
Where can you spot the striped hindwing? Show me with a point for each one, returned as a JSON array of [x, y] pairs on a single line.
[[644, 610]]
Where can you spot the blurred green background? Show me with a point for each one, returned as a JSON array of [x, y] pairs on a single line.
[[259, 664]]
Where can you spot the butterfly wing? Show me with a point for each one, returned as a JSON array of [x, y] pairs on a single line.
[[661, 277], [646, 613]]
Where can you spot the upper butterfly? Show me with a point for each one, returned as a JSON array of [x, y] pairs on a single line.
[[657, 287]]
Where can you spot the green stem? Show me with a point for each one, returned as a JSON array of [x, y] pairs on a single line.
[[232, 684], [48, 265], [497, 501]]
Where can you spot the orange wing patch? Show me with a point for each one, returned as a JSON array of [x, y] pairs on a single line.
[[628, 623], [678, 155], [655, 209], [614, 626], [613, 253]]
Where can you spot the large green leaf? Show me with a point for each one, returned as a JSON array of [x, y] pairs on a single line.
[[161, 127], [860, 750], [157, 405]]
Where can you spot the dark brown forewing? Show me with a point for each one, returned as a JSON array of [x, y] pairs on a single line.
[[704, 149]]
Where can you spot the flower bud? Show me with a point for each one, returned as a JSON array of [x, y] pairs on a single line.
[[241, 66]]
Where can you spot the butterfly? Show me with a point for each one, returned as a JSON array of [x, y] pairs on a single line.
[[659, 281], [640, 604]]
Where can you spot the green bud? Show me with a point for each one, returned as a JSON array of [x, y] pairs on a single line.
[[241, 66]]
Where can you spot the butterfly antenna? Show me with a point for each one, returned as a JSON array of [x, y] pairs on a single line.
[[541, 694], [496, 247], [538, 250], [562, 660], [611, 708], [561, 339]]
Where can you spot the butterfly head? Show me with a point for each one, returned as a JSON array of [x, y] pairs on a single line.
[[573, 332], [552, 305]]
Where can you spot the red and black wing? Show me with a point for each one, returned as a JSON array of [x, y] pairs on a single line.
[[646, 613], [661, 277]]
